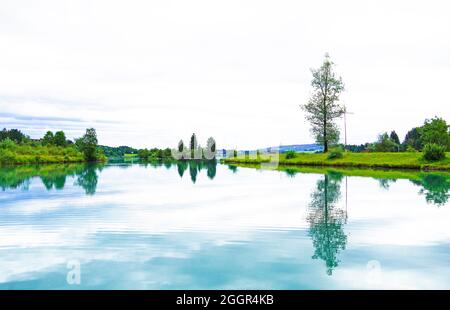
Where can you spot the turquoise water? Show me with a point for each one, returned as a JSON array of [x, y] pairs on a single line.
[[207, 226]]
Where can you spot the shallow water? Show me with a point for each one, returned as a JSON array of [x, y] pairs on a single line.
[[207, 226]]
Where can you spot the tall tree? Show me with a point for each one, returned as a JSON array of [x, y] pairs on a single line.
[[413, 138], [323, 107], [394, 137], [48, 138], [88, 144], [13, 134], [193, 145], [210, 148], [60, 138], [180, 146], [436, 131]]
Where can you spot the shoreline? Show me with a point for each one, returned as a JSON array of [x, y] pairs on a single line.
[[399, 161]]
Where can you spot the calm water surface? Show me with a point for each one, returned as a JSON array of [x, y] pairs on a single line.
[[207, 226]]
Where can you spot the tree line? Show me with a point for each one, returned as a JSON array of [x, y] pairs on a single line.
[[13, 142]]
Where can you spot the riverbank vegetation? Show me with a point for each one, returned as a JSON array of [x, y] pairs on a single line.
[[17, 148], [404, 160]]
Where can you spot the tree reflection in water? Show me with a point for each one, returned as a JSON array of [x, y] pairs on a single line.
[[434, 187], [327, 221]]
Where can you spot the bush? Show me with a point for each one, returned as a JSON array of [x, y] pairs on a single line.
[[291, 154], [432, 151], [7, 144], [410, 149], [335, 153], [7, 157]]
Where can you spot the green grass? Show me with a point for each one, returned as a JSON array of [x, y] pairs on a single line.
[[377, 173], [356, 160], [38, 154]]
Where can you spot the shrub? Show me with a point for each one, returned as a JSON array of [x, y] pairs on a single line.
[[410, 149], [7, 144], [7, 157], [291, 154], [432, 151], [335, 153]]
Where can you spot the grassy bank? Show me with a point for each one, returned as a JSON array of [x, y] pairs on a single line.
[[378, 173], [355, 160], [39, 154]]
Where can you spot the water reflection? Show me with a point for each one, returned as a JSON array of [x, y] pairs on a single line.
[[54, 176], [435, 186], [327, 221], [51, 176]]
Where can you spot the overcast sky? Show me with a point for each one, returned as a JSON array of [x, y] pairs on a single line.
[[147, 73]]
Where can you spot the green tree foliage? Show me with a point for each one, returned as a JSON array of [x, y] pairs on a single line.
[[413, 139], [291, 154], [323, 108], [88, 144], [384, 144], [193, 145], [60, 139], [336, 153], [394, 137], [117, 152], [181, 146], [155, 154], [49, 138], [436, 131], [12, 134]]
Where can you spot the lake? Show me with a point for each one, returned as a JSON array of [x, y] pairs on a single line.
[[212, 226]]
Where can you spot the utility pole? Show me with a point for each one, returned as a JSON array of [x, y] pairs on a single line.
[[345, 126]]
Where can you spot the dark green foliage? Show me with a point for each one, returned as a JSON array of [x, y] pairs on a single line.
[[155, 154], [48, 138], [60, 139], [357, 148], [181, 146], [433, 152], [413, 138], [394, 137], [13, 134], [384, 144], [291, 154], [117, 152], [193, 145], [88, 144]]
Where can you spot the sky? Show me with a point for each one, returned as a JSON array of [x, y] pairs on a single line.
[[149, 73]]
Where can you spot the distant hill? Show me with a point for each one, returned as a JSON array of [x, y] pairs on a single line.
[[298, 148], [304, 148]]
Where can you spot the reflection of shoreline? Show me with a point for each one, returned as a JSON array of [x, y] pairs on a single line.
[[435, 186], [52, 176]]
